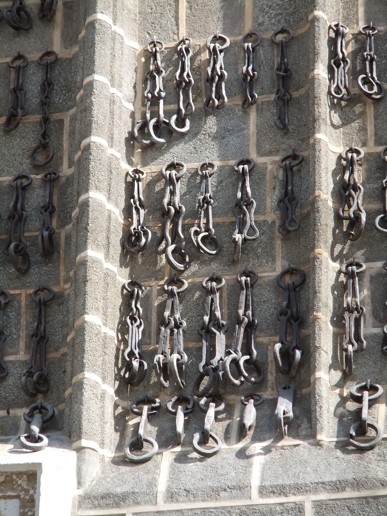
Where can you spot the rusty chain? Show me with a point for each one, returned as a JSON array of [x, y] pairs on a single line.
[[35, 377], [203, 233], [282, 95], [338, 87], [352, 192], [17, 16], [47, 9], [138, 236], [381, 220], [354, 315], [288, 201], [179, 122], [38, 414], [16, 245], [172, 365], [250, 42], [245, 228], [172, 240], [368, 82], [47, 209], [216, 74], [365, 393], [4, 300], [17, 105]]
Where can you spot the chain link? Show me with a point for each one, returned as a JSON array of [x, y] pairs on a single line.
[[47, 209], [354, 315], [250, 42], [365, 393], [338, 87], [244, 208], [179, 122], [216, 74], [172, 241], [352, 193], [47, 9], [368, 82], [288, 201], [203, 233], [35, 377], [38, 414], [17, 16], [16, 245], [138, 237], [4, 300], [282, 96], [381, 220], [145, 407], [17, 105]]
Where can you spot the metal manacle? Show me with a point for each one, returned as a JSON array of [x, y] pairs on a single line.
[[216, 74], [284, 410], [35, 377], [249, 416], [44, 151], [352, 193], [4, 300], [148, 130], [17, 16], [338, 87], [245, 228], [47, 9], [145, 407], [17, 105], [16, 245], [136, 367], [368, 82], [288, 201], [203, 233], [47, 232], [171, 366], [250, 42], [38, 414], [365, 393], [172, 241], [179, 122], [184, 406], [354, 315], [211, 366], [381, 220], [282, 95], [202, 440], [245, 330], [288, 352], [138, 236]]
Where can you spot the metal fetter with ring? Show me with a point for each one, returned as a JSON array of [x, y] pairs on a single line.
[[202, 440], [368, 82], [365, 393], [4, 300], [381, 220], [288, 201], [17, 106], [338, 87], [172, 366], [179, 122], [245, 228], [38, 414], [288, 352], [282, 96], [284, 410], [47, 231], [180, 406], [145, 407], [216, 74], [172, 240], [250, 42], [249, 416], [203, 233], [245, 331]]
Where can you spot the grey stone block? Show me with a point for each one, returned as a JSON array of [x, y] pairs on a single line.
[[348, 122], [335, 11], [205, 18], [377, 314], [11, 325], [346, 507], [159, 21], [290, 509], [9, 425], [270, 16], [73, 23]]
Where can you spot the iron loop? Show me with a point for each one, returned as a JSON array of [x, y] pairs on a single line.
[[153, 404], [356, 392], [219, 403], [208, 167], [287, 33], [356, 429], [155, 123], [382, 217], [170, 251], [174, 282], [244, 161], [31, 445], [233, 358], [291, 270], [186, 402], [48, 58], [259, 377], [251, 38], [144, 457], [140, 126], [42, 155], [217, 39], [40, 407], [207, 243], [43, 294], [256, 397], [180, 130], [206, 452]]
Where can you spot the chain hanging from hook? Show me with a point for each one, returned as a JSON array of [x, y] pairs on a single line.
[[184, 82], [338, 87], [288, 201], [368, 82], [47, 232], [381, 220], [352, 192], [250, 42], [4, 300], [216, 74], [282, 95], [17, 105]]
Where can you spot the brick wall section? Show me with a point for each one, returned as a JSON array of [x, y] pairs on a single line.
[[98, 95]]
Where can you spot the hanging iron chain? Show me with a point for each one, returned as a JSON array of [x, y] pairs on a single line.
[[138, 237], [145, 407], [282, 96], [171, 366], [17, 16], [136, 367], [381, 220], [4, 300], [245, 228], [365, 393], [154, 92], [216, 74], [352, 192], [16, 245], [338, 87], [44, 151], [172, 241], [354, 315], [203, 233], [288, 201], [47, 232], [35, 377], [17, 105], [245, 331], [47, 9], [288, 352], [368, 82], [38, 414], [250, 42], [179, 122]]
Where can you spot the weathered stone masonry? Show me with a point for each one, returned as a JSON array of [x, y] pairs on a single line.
[[98, 86]]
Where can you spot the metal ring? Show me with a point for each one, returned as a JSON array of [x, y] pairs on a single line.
[[297, 159], [282, 30], [21, 177], [205, 235], [209, 167], [48, 57], [256, 397], [38, 295], [169, 252], [212, 399], [155, 122], [336, 25], [153, 403], [176, 280], [188, 402], [34, 446], [135, 377], [175, 360], [251, 379], [256, 40], [212, 377], [156, 44], [40, 407], [46, 151], [220, 282], [176, 166], [133, 283], [19, 60], [140, 125], [244, 161], [356, 392], [353, 263], [248, 274], [218, 37], [291, 270], [367, 445], [354, 150], [140, 459], [179, 130], [233, 357], [368, 28], [383, 216], [4, 298], [206, 452]]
